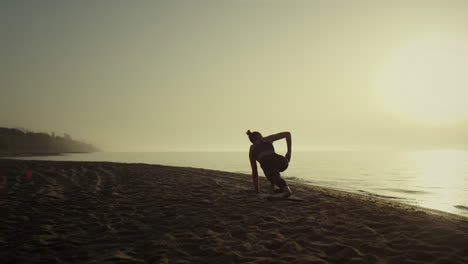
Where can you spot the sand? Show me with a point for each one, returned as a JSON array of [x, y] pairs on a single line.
[[99, 212]]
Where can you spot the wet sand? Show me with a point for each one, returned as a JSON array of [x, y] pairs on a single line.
[[100, 212]]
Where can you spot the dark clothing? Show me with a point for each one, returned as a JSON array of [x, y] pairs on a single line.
[[272, 165], [263, 147]]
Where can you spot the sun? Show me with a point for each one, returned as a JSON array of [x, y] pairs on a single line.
[[426, 80]]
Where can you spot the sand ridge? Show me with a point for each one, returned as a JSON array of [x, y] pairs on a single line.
[[98, 212]]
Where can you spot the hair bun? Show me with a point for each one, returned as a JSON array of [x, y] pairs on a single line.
[[248, 132]]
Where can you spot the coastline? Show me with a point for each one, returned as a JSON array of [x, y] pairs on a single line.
[[322, 169], [108, 212], [13, 155], [5, 155]]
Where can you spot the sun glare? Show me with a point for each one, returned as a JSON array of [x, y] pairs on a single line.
[[426, 80], [442, 172]]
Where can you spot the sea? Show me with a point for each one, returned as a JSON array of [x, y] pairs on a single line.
[[436, 179]]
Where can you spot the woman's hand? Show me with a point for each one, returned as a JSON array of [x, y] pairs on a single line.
[[288, 156]]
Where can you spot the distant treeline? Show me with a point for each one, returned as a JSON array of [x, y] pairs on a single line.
[[16, 142]]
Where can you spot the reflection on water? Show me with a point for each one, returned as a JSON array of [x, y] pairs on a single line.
[[443, 172], [433, 179]]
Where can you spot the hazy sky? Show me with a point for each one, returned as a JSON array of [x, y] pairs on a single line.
[[188, 75]]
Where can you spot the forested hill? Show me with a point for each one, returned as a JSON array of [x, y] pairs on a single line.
[[18, 142]]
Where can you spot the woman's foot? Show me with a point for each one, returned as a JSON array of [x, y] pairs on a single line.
[[285, 193]]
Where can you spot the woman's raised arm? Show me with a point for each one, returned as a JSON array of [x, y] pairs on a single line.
[[287, 136]]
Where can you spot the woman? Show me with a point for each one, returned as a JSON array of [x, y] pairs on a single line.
[[262, 150]]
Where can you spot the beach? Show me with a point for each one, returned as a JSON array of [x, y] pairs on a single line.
[[103, 212]]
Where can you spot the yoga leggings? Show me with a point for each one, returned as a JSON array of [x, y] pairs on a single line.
[[272, 166]]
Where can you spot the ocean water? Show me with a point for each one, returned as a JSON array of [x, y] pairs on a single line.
[[434, 179]]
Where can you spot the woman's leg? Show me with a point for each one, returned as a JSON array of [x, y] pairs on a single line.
[[269, 171], [281, 164], [274, 176], [272, 168]]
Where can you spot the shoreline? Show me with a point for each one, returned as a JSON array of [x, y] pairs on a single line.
[[25, 155], [142, 213], [33, 154], [452, 208], [457, 209]]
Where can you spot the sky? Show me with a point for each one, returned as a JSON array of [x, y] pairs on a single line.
[[195, 75]]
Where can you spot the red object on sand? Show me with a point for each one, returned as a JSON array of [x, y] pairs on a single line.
[[28, 173]]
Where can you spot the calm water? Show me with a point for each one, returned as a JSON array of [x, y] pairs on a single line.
[[433, 179]]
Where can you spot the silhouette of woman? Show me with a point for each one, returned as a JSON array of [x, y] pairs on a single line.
[[262, 150]]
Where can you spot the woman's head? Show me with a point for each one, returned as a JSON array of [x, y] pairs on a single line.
[[254, 136]]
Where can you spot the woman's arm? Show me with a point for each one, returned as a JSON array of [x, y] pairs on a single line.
[[287, 136], [253, 164]]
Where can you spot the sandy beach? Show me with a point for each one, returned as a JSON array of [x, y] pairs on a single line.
[[99, 212]]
